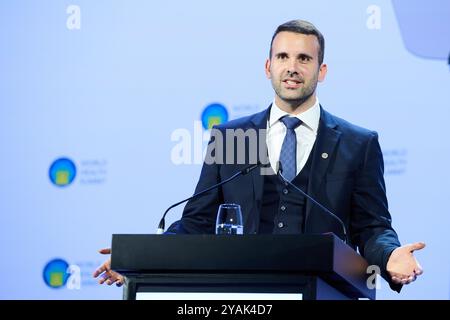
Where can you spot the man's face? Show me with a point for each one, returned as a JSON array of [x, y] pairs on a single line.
[[293, 68]]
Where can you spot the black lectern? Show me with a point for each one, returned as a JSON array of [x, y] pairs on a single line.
[[312, 266]]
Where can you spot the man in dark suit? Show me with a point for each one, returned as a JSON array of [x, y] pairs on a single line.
[[334, 161]]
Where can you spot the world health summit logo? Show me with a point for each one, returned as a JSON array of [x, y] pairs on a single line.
[[55, 273], [214, 114], [62, 172]]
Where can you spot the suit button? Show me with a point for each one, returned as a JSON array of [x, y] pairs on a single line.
[[280, 224], [285, 191], [283, 208]]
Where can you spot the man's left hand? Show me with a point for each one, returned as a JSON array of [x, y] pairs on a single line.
[[402, 266]]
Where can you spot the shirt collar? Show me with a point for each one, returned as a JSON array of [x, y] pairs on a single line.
[[310, 118]]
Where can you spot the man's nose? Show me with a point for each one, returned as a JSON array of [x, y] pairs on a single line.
[[292, 67]]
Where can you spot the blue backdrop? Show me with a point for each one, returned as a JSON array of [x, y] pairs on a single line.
[[105, 106]]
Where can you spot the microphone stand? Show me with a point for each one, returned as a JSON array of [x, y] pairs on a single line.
[[244, 171]]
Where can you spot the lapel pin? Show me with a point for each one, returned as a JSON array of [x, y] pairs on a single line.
[[324, 155]]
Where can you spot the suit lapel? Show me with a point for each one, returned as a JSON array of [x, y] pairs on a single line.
[[259, 123], [326, 141]]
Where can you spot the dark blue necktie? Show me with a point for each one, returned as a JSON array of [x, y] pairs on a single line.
[[288, 155]]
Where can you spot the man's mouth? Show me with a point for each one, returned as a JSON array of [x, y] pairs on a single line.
[[292, 83]]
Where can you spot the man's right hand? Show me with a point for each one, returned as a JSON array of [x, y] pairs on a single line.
[[106, 274]]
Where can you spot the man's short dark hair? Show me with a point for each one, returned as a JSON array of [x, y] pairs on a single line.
[[302, 27]]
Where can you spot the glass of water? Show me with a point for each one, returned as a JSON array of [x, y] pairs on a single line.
[[229, 219]]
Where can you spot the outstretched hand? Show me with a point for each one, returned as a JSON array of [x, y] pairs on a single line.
[[106, 274], [402, 266]]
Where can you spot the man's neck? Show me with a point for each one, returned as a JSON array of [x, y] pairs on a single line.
[[296, 107]]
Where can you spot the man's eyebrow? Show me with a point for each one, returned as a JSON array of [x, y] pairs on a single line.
[[304, 55], [300, 55], [282, 53]]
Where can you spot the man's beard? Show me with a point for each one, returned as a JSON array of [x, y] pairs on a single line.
[[303, 96]]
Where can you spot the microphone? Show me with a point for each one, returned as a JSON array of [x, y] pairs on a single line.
[[244, 171], [286, 182]]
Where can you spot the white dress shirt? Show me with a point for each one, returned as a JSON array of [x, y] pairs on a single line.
[[306, 134]]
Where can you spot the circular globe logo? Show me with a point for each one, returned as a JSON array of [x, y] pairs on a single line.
[[55, 273], [214, 114], [62, 172]]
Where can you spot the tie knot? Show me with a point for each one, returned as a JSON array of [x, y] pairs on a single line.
[[291, 122]]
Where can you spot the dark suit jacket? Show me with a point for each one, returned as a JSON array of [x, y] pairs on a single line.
[[349, 182]]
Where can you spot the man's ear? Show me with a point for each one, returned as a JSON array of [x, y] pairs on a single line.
[[267, 69], [322, 72]]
